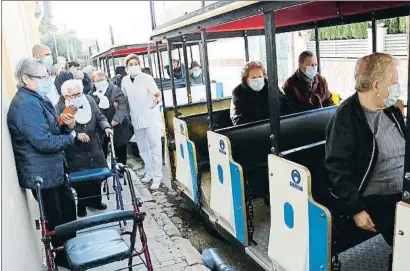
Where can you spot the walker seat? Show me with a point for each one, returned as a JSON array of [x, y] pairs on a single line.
[[89, 175], [95, 249]]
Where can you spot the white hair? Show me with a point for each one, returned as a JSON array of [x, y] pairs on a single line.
[[26, 66], [71, 84]]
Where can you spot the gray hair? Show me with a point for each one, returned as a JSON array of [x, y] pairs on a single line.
[[99, 74], [71, 84], [78, 73], [89, 70], [26, 66]]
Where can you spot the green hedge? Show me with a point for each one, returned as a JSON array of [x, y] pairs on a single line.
[[359, 30]]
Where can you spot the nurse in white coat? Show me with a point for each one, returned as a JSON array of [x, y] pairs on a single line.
[[143, 98]]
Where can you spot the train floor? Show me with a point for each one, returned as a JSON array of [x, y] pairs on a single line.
[[371, 255]]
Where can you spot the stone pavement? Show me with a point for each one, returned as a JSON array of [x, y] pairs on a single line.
[[169, 251]]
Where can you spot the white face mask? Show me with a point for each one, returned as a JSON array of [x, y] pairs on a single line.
[[77, 102], [311, 71], [196, 73], [257, 84], [101, 86], [134, 70], [48, 62], [394, 95]]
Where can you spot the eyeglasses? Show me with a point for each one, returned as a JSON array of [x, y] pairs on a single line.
[[45, 77], [73, 96]]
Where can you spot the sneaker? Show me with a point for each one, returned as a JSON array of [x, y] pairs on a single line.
[[155, 185], [146, 179]]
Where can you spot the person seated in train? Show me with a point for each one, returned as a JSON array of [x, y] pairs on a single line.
[[365, 147], [250, 101], [178, 68], [39, 142], [306, 89], [87, 151], [195, 74]]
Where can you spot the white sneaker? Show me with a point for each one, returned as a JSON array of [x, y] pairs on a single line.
[[146, 179], [155, 185]]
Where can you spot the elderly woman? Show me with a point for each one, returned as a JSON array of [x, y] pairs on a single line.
[[250, 100], [112, 104], [365, 147], [87, 152], [39, 143]]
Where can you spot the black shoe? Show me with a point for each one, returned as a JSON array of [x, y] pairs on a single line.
[[100, 206], [61, 260], [81, 211]]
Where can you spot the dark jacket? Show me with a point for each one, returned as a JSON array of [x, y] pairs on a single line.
[[117, 80], [61, 78], [179, 73], [304, 97], [82, 156], [351, 152], [248, 105], [123, 131], [88, 84], [38, 141]]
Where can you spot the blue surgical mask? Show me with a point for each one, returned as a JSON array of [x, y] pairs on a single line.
[[101, 86], [311, 71], [44, 88], [394, 95], [196, 73], [48, 62], [77, 102], [257, 84], [134, 70]]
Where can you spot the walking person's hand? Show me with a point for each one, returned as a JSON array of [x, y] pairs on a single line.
[[68, 120], [364, 221], [109, 132], [115, 104], [83, 137], [114, 123]]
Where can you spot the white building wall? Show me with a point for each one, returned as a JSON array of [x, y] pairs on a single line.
[[20, 240]]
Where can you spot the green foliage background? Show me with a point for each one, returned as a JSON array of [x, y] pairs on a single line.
[[359, 30]]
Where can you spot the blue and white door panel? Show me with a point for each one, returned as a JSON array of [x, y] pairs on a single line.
[[186, 165], [401, 238], [227, 200], [300, 234]]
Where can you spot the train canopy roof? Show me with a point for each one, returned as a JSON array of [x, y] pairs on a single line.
[[239, 16]]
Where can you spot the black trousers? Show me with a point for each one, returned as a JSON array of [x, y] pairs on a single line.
[[382, 210], [88, 193], [59, 208], [120, 151]]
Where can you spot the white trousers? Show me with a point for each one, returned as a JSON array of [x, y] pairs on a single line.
[[150, 148]]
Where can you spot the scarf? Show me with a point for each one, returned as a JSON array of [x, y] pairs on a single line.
[[302, 76], [84, 113], [104, 102]]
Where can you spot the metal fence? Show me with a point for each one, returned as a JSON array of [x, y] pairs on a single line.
[[395, 44]]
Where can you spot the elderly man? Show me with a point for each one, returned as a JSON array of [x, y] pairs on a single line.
[[87, 151], [365, 147], [113, 105], [43, 53], [306, 89], [38, 145]]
